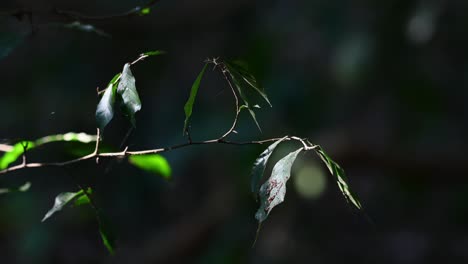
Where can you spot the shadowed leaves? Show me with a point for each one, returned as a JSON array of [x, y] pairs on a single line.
[[244, 80], [340, 178]]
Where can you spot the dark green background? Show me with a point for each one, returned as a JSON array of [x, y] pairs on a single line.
[[381, 85]]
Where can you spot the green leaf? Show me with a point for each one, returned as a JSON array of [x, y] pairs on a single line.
[[127, 90], [239, 82], [105, 107], [83, 198], [63, 199], [15, 153], [273, 190], [191, 100], [340, 178], [153, 163], [260, 164], [145, 11], [240, 70], [154, 53], [107, 236], [23, 188], [18, 149], [115, 79]]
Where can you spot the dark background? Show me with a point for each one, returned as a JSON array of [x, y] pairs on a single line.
[[381, 85]]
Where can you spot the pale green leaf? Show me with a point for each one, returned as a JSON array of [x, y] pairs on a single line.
[[105, 108], [17, 150], [260, 164], [63, 199], [127, 90], [272, 192], [60, 201]]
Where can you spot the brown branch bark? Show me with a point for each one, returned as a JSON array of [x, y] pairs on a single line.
[[95, 154]]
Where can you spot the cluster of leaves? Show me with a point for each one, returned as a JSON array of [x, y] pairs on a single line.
[[273, 190], [237, 75], [122, 90]]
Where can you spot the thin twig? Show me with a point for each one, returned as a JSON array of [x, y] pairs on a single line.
[[236, 118], [125, 152], [132, 12], [140, 58], [221, 140], [5, 148], [25, 148]]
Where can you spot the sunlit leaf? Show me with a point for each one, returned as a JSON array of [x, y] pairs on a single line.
[[272, 192], [145, 11], [105, 108], [17, 150], [260, 164], [60, 201], [12, 155], [153, 163], [340, 178], [68, 137], [23, 188], [193, 94], [127, 90], [63, 199]]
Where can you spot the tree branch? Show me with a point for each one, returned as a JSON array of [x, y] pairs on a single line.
[[125, 152]]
